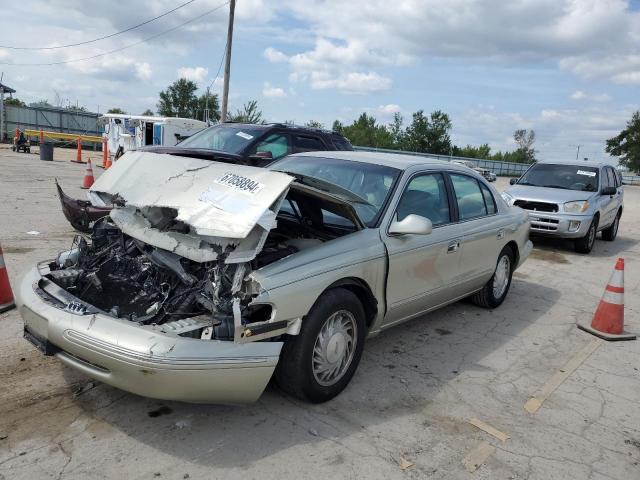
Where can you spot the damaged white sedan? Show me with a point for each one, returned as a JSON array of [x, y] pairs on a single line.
[[206, 278]]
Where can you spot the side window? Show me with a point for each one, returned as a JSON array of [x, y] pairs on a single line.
[[276, 145], [489, 201], [426, 195], [619, 178], [612, 177], [606, 178], [307, 144], [470, 199]]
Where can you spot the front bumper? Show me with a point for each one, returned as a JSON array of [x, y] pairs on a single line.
[[558, 224], [143, 360]]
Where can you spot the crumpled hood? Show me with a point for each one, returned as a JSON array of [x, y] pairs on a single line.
[[550, 195], [194, 208], [214, 199]]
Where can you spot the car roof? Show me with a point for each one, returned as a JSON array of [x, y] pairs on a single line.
[[579, 164], [287, 126], [394, 160]]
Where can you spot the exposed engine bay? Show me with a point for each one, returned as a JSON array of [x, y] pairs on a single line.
[[128, 279]]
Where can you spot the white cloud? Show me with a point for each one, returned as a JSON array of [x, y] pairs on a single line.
[[580, 95], [274, 55], [269, 91], [143, 71], [196, 74], [587, 37], [389, 109]]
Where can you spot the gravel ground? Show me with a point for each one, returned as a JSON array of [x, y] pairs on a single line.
[[405, 414]]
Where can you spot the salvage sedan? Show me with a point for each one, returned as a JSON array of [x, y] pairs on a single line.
[[206, 278]]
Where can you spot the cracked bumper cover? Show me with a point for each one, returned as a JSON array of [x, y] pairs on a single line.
[[142, 360]]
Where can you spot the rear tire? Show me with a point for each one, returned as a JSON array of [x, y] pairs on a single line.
[[585, 244], [311, 366], [609, 234], [495, 290]]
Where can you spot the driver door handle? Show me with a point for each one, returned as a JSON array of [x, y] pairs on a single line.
[[453, 247]]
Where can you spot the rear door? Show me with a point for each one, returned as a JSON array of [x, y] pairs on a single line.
[[483, 230], [423, 268]]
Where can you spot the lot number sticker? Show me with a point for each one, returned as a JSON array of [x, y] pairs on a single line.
[[246, 136], [587, 174], [240, 183]]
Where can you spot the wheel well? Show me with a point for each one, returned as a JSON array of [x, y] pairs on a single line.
[[361, 290], [514, 249]]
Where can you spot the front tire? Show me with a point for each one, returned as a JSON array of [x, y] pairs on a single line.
[[318, 363], [495, 290], [585, 244], [609, 234]]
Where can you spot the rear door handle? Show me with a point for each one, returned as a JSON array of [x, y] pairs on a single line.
[[453, 247]]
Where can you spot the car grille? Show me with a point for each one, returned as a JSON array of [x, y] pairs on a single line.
[[536, 206], [544, 224]]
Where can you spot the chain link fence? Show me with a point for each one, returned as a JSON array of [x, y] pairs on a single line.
[[499, 168]]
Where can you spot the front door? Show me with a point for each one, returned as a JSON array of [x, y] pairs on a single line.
[[422, 268]]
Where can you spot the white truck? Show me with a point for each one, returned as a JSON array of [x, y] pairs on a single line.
[[129, 132]]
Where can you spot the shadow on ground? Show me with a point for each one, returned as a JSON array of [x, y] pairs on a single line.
[[401, 372]]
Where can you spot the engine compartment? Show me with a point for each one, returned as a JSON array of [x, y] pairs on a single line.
[[128, 279]]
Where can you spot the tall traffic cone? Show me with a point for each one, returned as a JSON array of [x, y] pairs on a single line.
[[608, 321], [105, 153], [78, 151], [88, 179], [6, 295]]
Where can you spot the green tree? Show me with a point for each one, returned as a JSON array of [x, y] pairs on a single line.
[[314, 124], [249, 113], [470, 151], [626, 145], [213, 104], [147, 113], [117, 110], [429, 134], [525, 140], [179, 99], [397, 133], [337, 127], [41, 103], [14, 102], [365, 132]]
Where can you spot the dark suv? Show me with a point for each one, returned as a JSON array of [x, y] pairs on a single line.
[[238, 143], [256, 145]]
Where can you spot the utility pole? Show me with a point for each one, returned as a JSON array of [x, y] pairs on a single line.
[[577, 152], [206, 108], [227, 62]]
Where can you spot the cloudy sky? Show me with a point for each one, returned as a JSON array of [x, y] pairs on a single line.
[[569, 69]]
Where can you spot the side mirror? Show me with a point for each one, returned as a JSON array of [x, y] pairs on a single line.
[[260, 159], [609, 190], [513, 181], [411, 225]]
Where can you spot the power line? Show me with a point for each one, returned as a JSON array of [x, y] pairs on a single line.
[[101, 38], [224, 52], [121, 48]]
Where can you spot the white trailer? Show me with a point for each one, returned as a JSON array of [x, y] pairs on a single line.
[[134, 131]]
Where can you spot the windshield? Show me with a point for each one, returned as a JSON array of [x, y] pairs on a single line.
[[223, 138], [363, 185], [567, 177]]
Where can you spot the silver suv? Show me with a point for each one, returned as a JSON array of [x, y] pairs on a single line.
[[570, 200]]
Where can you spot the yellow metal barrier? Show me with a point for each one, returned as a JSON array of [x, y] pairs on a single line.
[[64, 136]]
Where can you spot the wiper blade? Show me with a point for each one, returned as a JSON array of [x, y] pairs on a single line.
[[328, 187], [557, 186]]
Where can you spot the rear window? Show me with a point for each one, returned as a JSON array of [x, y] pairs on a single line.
[[341, 143], [307, 144]]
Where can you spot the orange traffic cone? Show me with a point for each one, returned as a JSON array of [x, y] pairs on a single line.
[[78, 151], [6, 295], [88, 179], [608, 321], [105, 153]]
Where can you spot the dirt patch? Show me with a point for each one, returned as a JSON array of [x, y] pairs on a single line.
[[11, 249], [443, 331], [548, 256]]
